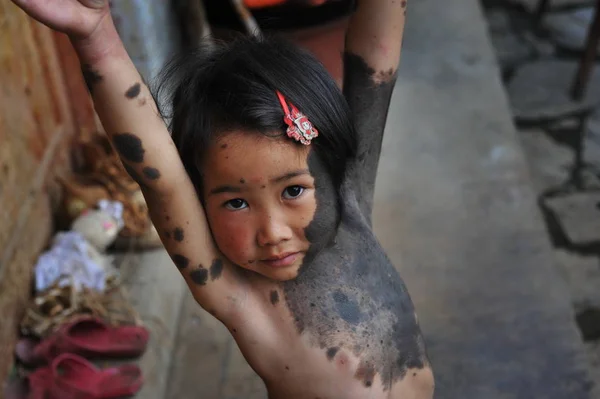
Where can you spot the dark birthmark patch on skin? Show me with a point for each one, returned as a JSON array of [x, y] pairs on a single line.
[[369, 102], [167, 234], [199, 276], [274, 297], [180, 261], [216, 269], [365, 373], [178, 234], [361, 297], [263, 186], [134, 175], [90, 77], [331, 352], [347, 308], [151, 173], [224, 145], [133, 91], [129, 146], [242, 180], [403, 4]]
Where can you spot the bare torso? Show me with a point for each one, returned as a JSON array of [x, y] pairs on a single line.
[[345, 328]]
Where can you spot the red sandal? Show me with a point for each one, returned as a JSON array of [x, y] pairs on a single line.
[[89, 337], [77, 378]]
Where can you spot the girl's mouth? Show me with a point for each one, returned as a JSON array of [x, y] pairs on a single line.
[[282, 260]]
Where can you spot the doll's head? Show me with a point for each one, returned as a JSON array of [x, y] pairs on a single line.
[[271, 201]]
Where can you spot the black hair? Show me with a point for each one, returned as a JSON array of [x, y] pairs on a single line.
[[220, 87]]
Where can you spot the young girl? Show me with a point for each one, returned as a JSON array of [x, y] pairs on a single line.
[[263, 195]]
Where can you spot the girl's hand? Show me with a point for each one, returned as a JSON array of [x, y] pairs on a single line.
[[77, 18]]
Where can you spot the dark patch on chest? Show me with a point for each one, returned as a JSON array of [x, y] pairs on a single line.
[[216, 269], [90, 76], [181, 261], [347, 308], [129, 146], [363, 305], [199, 276], [178, 234], [274, 297], [331, 352], [151, 173], [133, 91]]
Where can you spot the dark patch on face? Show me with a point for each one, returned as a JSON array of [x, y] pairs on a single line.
[[151, 173], [167, 218], [133, 91], [331, 352], [199, 276], [178, 234], [216, 269], [274, 297], [90, 76], [234, 330], [347, 308], [365, 373], [250, 261], [224, 145], [242, 180], [263, 186], [167, 234], [369, 102], [180, 261], [287, 367], [403, 4], [129, 146]]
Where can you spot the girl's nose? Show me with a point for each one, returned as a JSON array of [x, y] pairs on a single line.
[[273, 231]]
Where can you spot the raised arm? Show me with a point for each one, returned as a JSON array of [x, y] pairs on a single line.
[[135, 129], [371, 58]]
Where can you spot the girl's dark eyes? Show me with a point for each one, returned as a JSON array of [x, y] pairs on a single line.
[[236, 204], [292, 192]]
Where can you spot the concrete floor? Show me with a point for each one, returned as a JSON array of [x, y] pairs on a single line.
[[455, 211]]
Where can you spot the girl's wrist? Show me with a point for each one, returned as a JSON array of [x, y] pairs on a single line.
[[102, 43]]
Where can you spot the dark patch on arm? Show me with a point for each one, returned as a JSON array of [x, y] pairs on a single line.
[[90, 76], [133, 91], [347, 308], [216, 269], [199, 276], [178, 234], [133, 174], [274, 297], [151, 173], [368, 93], [180, 261], [129, 146], [331, 352]]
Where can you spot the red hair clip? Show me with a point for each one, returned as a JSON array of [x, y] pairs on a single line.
[[299, 127]]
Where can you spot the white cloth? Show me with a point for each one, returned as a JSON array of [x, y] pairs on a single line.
[[71, 261]]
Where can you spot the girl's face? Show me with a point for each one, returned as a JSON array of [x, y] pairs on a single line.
[[259, 198]]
